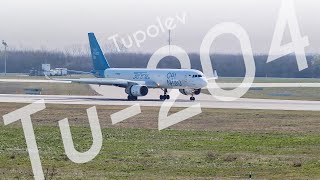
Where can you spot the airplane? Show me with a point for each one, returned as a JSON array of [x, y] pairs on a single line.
[[137, 81]]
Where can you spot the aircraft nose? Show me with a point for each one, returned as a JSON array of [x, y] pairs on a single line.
[[204, 82]]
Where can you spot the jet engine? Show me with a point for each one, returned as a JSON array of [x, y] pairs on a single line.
[[190, 91], [197, 91], [137, 90]]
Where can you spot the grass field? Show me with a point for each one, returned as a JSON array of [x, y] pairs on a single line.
[[270, 80], [278, 93], [217, 144], [47, 88]]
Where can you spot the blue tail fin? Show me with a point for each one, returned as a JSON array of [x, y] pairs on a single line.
[[99, 61]]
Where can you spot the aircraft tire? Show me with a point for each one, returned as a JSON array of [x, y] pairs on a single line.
[[132, 98]]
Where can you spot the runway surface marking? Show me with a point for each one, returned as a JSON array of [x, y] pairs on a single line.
[[206, 101]]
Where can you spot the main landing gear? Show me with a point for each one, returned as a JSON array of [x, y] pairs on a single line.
[[165, 96], [132, 98]]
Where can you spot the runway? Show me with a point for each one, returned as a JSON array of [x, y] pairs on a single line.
[[116, 96]]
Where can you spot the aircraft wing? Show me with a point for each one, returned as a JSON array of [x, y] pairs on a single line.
[[98, 81], [32, 81], [109, 81]]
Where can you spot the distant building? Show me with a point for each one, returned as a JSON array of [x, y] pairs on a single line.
[[46, 67], [46, 70], [59, 72]]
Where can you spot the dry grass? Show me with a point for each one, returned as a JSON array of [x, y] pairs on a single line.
[[298, 93], [217, 144], [221, 120], [47, 88]]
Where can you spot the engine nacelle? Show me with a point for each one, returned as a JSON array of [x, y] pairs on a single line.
[[186, 91], [137, 90], [190, 91], [197, 91]]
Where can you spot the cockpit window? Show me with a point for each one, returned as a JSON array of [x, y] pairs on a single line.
[[197, 76]]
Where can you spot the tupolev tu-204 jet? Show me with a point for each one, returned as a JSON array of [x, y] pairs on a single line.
[[137, 81]]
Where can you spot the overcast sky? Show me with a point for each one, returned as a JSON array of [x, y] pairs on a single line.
[[60, 24]]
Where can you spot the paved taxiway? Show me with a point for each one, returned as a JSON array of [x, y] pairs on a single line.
[[116, 96]]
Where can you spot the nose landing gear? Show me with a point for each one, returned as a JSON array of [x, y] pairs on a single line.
[[192, 98]]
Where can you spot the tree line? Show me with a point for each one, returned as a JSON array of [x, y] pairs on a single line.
[[227, 65]]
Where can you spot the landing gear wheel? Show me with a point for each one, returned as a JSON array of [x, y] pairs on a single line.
[[132, 98], [192, 98], [165, 96]]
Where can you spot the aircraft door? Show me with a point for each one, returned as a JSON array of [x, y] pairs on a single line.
[[186, 79]]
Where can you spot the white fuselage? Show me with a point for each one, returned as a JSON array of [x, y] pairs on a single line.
[[163, 78]]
